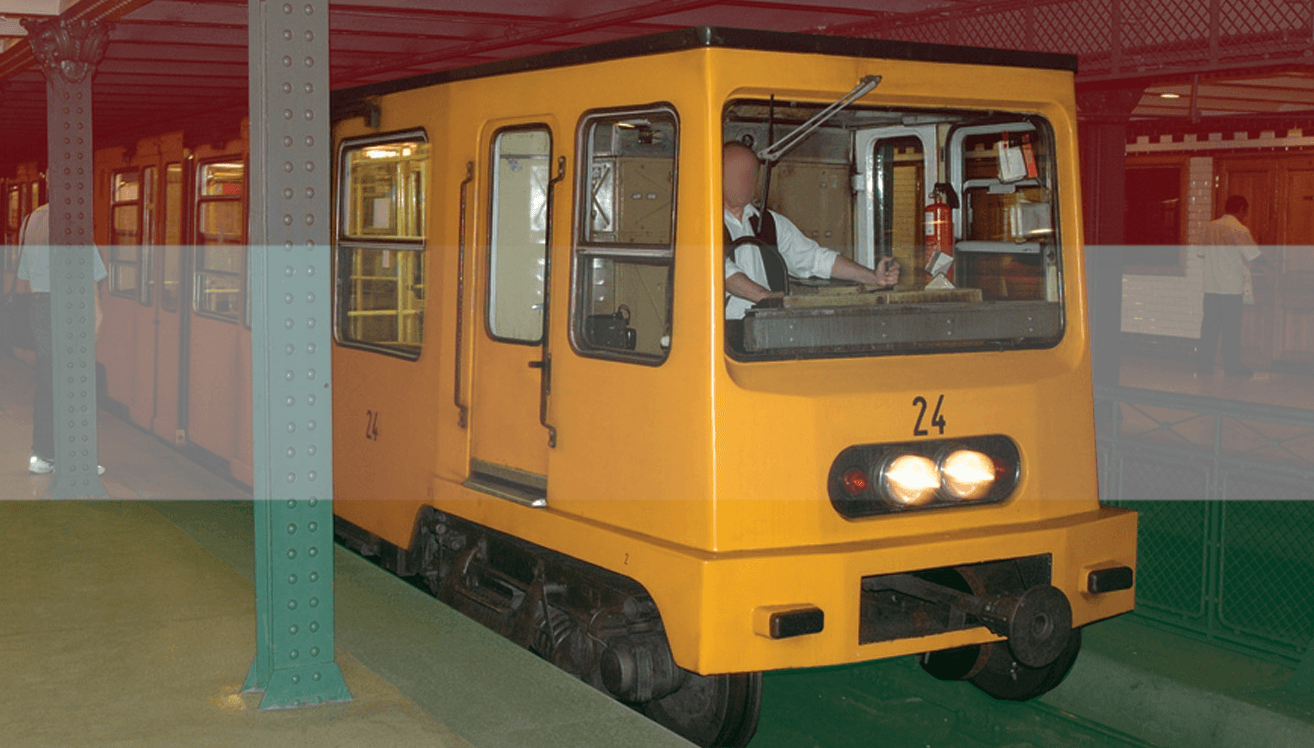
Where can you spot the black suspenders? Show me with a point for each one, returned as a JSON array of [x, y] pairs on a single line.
[[764, 237]]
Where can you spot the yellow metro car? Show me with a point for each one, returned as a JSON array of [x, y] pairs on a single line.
[[547, 407]]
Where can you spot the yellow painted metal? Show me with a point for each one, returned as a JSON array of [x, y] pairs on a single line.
[[705, 478]]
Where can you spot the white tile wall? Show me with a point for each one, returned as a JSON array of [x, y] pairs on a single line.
[[1170, 305]]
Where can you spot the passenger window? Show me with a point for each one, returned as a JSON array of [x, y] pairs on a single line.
[[221, 250], [624, 253], [125, 233], [381, 243], [171, 257], [517, 235]]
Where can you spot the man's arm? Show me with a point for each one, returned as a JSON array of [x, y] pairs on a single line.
[[805, 257], [885, 274], [739, 285]]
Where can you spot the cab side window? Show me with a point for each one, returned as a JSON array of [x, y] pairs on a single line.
[[625, 249], [383, 183]]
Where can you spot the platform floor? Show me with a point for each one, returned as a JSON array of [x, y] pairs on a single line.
[[129, 622]]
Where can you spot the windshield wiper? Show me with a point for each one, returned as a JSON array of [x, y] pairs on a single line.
[[774, 151]]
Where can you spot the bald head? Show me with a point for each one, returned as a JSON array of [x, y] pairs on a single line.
[[739, 167]]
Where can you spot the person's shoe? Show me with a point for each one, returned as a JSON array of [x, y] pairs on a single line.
[[39, 466], [1242, 373]]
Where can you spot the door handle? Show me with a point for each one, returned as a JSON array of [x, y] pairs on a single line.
[[463, 410]]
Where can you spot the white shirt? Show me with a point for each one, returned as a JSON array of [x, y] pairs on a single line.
[[34, 265], [803, 257], [1228, 245]]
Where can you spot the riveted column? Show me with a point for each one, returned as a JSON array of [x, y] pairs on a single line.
[[1103, 137], [68, 52], [291, 288]]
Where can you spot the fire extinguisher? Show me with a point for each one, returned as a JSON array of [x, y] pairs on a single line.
[[940, 231]]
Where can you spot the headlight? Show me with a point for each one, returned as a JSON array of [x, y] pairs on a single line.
[[910, 480], [968, 474], [869, 479]]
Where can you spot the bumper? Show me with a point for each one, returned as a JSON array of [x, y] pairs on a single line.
[[723, 632]]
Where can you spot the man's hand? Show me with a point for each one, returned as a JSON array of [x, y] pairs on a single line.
[[887, 271]]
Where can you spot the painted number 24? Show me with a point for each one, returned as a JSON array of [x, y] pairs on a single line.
[[372, 425], [937, 419]]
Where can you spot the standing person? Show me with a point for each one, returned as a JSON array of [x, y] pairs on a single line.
[[1228, 247], [34, 271]]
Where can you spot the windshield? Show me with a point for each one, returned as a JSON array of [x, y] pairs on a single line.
[[963, 202]]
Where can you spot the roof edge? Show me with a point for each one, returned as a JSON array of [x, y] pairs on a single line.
[[724, 38]]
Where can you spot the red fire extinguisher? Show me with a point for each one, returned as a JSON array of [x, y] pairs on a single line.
[[940, 231]]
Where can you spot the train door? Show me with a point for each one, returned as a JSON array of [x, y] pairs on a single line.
[[137, 277], [512, 366], [170, 308]]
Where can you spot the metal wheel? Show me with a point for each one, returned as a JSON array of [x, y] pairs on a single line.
[[718, 711], [1003, 677]]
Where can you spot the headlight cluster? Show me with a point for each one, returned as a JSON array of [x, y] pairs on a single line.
[[884, 478]]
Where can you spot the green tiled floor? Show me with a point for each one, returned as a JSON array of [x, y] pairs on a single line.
[[482, 687], [117, 630]]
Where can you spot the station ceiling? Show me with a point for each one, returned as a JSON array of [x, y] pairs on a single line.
[[178, 63]]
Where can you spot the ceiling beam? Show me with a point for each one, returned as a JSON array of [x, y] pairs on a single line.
[[624, 15]]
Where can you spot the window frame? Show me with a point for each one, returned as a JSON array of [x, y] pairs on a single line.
[[147, 213], [344, 244], [583, 251], [115, 263], [954, 159], [198, 263], [489, 286]]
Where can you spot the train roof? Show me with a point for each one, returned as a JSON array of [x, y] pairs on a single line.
[[724, 38]]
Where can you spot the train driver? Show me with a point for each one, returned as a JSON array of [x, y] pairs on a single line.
[[750, 275]]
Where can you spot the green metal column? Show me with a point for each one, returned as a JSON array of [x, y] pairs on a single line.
[[68, 52], [290, 292]]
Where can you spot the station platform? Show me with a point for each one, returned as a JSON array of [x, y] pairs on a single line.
[[130, 622]]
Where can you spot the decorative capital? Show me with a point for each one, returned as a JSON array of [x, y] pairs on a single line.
[[68, 48]]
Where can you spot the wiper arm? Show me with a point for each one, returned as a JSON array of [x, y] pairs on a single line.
[[773, 152]]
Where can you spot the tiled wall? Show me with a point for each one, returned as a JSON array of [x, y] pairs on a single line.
[[1170, 305]]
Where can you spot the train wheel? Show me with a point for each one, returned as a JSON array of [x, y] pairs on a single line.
[[717, 711], [959, 663], [1003, 677]]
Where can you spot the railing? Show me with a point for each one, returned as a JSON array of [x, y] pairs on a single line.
[[1223, 489]]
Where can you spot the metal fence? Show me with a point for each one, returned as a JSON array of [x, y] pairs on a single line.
[[1226, 546], [1119, 38]]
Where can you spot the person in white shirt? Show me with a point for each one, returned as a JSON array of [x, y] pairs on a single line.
[[1228, 247], [752, 275], [34, 273]]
